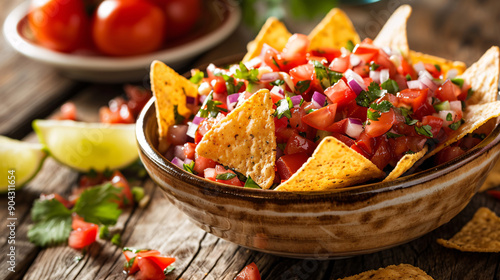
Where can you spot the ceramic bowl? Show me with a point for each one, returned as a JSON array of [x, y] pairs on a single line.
[[218, 22], [359, 220]]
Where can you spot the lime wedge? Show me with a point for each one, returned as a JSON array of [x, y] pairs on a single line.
[[20, 161], [85, 146]]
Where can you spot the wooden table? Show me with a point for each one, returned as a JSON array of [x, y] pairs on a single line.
[[460, 30]]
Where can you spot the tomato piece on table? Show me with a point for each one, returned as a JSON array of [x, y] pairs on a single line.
[[322, 118], [148, 270], [340, 93], [287, 165], [250, 272], [119, 181], [83, 233], [298, 144]]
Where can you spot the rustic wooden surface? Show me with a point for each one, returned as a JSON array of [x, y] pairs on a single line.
[[460, 30]]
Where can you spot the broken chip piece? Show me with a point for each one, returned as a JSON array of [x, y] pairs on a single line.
[[405, 163], [392, 272], [481, 234]]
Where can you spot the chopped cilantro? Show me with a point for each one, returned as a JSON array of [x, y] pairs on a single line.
[[325, 76], [168, 269], [197, 77], [104, 232], [383, 106], [350, 46], [225, 176], [210, 107], [406, 114], [189, 167], [392, 135], [283, 107], [424, 130], [282, 146], [302, 86], [365, 98], [244, 73], [116, 239], [437, 67], [373, 115], [277, 83], [449, 117], [311, 110], [456, 125], [130, 263], [96, 205], [458, 81], [391, 86], [250, 183], [374, 66]]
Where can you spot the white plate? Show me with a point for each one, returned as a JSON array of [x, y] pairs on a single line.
[[99, 68]]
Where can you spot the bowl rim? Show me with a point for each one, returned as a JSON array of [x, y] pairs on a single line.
[[152, 154], [12, 33]]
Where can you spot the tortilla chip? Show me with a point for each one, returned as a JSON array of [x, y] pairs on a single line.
[[483, 77], [334, 31], [245, 139], [405, 163], [481, 234], [170, 89], [332, 166], [393, 33], [474, 117], [273, 33], [402, 271], [446, 65]]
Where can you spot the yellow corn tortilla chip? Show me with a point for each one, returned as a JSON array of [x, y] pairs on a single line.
[[481, 234], [334, 31], [170, 90], [402, 271], [245, 139], [446, 65], [474, 117], [273, 33], [332, 166], [393, 33], [483, 77], [405, 163]]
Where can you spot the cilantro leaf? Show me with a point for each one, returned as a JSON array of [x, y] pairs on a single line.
[[406, 114], [409, 152], [408, 77], [424, 130], [168, 269], [365, 98], [391, 86], [449, 117], [48, 209], [116, 239], [437, 67], [277, 83], [244, 73], [350, 45], [250, 183], [210, 107], [383, 106], [96, 205], [392, 135], [373, 115], [302, 86], [470, 92], [324, 75], [283, 107], [51, 231], [374, 66], [189, 168], [225, 176]]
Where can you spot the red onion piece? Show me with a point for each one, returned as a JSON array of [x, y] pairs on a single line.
[[177, 134], [278, 90], [355, 86], [270, 77], [354, 127], [231, 101], [375, 75], [384, 75], [177, 161], [415, 84], [443, 115], [456, 106], [179, 152], [452, 73], [202, 98], [318, 99], [190, 100], [265, 47], [429, 83], [296, 100], [197, 120], [192, 127], [419, 67], [209, 173], [188, 161], [354, 60]]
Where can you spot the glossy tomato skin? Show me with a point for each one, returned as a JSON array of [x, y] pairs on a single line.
[[128, 27], [181, 16], [250, 272], [287, 165], [83, 233], [59, 25], [119, 181]]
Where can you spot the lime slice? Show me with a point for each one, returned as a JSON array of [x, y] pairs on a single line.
[[20, 161], [85, 146]]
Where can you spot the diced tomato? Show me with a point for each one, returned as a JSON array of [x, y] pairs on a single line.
[[431, 68], [448, 154], [219, 170], [218, 84], [137, 98], [405, 68], [385, 63], [189, 150], [413, 97], [494, 193], [296, 119], [322, 118], [119, 181], [382, 155], [448, 91], [340, 93], [384, 124], [250, 272], [362, 69], [287, 165], [435, 122], [400, 145], [280, 123], [367, 52], [197, 136], [360, 151], [338, 127], [68, 112], [275, 97], [298, 144], [83, 233], [353, 110], [296, 48], [91, 180], [329, 53], [425, 109], [57, 197], [302, 73], [154, 255], [119, 115], [401, 80], [271, 58], [366, 143], [283, 134], [346, 140], [202, 163], [148, 270], [340, 64], [465, 92]]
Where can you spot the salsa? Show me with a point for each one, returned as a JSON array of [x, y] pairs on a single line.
[[370, 98]]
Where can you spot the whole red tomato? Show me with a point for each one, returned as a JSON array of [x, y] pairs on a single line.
[[59, 25], [128, 27], [182, 15]]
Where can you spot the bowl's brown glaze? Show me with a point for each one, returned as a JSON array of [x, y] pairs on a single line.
[[360, 220]]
